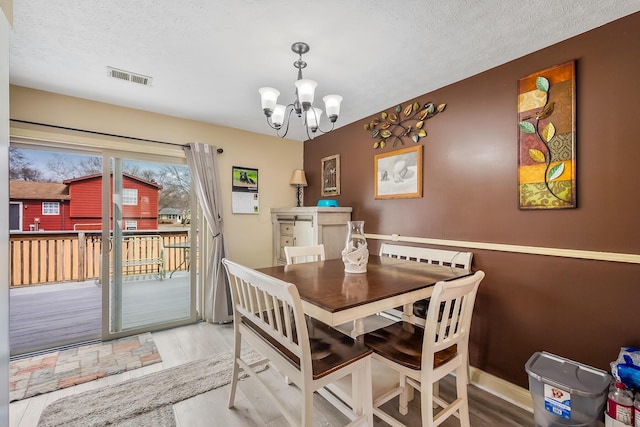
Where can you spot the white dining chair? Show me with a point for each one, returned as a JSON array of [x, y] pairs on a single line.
[[423, 356], [417, 311], [299, 254], [296, 254], [267, 314]]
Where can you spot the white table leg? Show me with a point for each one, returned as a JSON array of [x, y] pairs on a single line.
[[358, 328], [407, 313]]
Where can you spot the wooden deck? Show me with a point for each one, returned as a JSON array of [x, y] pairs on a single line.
[[55, 315]]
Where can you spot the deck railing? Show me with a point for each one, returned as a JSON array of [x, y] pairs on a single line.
[[65, 256]]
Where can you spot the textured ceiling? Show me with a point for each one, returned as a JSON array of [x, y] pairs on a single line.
[[207, 58]]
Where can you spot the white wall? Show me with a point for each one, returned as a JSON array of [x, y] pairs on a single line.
[[4, 221], [248, 236]]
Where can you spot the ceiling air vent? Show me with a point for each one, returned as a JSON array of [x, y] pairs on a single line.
[[129, 76]]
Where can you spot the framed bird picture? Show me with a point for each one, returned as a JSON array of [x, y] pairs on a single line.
[[330, 168]]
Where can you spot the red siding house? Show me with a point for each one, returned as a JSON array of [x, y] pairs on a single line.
[[76, 204], [37, 206]]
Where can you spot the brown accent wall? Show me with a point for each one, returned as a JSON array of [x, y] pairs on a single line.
[[581, 309]]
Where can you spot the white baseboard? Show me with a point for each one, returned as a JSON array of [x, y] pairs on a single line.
[[503, 389]]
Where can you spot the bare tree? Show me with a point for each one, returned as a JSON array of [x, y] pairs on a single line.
[[20, 167], [64, 167], [176, 185]]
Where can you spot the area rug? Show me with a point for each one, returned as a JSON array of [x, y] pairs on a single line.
[[144, 401], [52, 371]]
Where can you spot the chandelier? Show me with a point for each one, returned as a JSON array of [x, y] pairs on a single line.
[[279, 116]]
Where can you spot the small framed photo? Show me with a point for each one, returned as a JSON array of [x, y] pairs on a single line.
[[244, 179], [244, 191], [398, 174], [330, 168]]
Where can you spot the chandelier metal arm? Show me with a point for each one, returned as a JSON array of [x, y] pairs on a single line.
[[317, 127], [333, 125], [311, 135], [291, 108]]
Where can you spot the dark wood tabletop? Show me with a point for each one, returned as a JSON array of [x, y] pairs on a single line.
[[337, 296]]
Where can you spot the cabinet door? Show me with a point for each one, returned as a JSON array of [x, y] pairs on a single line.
[[303, 232]]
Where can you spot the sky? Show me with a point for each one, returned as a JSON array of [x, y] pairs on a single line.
[[40, 158]]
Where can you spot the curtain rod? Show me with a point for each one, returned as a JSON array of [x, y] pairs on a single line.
[[220, 150]]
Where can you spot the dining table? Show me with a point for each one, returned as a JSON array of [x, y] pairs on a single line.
[[335, 297]]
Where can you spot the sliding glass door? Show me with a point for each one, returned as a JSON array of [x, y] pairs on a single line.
[[147, 222], [55, 247], [100, 246]]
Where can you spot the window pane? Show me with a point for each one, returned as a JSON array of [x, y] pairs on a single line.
[[50, 208], [130, 196]]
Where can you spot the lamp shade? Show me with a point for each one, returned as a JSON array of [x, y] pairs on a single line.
[[313, 118], [332, 105], [298, 178], [306, 91], [277, 118], [269, 97]]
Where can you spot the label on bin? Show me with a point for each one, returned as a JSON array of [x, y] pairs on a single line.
[[557, 401]]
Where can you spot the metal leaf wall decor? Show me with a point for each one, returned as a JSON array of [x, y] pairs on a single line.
[[404, 123]]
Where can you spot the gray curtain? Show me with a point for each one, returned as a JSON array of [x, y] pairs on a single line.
[[203, 166]]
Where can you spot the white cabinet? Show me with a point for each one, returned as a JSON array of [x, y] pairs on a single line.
[[309, 225]]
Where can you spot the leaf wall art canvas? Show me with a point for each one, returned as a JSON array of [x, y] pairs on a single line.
[[546, 139]]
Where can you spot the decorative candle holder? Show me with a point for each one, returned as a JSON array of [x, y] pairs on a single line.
[[355, 254]]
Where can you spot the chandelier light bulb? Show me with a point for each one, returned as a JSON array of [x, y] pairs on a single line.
[[277, 118], [269, 97], [313, 118], [332, 105], [306, 90]]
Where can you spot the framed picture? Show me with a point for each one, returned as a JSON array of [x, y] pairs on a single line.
[[244, 179], [547, 139], [244, 191], [330, 167], [398, 174]]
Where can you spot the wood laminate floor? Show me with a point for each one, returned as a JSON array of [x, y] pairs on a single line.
[[184, 344]]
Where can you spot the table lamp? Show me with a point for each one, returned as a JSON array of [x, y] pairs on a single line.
[[299, 180]]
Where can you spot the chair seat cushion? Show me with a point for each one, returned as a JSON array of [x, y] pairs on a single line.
[[401, 343], [330, 349]]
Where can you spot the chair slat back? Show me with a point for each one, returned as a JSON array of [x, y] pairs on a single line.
[[451, 324], [298, 254], [272, 305], [432, 256]]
